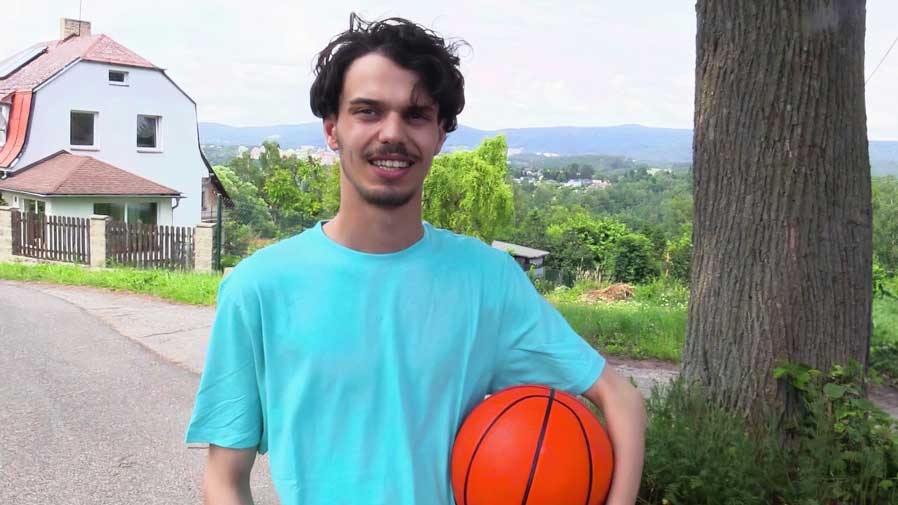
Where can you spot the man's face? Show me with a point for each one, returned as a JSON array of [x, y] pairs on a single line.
[[386, 134]]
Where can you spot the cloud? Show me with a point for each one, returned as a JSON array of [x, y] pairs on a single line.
[[530, 63]]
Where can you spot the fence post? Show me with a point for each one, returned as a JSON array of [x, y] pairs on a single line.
[[203, 247], [98, 240], [6, 234]]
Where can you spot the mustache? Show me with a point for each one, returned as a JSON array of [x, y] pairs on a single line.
[[394, 149]]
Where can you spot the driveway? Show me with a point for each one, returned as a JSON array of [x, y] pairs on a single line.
[[89, 417]]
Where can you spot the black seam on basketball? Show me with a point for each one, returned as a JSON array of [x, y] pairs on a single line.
[[588, 450], [539, 444], [483, 436]]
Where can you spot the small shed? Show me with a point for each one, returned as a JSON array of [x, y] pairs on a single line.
[[527, 257]]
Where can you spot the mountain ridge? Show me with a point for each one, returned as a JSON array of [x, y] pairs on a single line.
[[641, 143]]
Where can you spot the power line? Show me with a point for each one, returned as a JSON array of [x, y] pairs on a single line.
[[882, 60]]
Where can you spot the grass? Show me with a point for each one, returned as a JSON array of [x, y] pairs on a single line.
[[183, 287], [630, 329], [651, 325]]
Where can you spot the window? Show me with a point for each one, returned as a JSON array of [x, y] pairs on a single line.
[[36, 206], [143, 213], [118, 77], [148, 132], [114, 210], [82, 129], [4, 122]]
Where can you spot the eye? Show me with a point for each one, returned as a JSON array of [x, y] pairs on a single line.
[[418, 115]]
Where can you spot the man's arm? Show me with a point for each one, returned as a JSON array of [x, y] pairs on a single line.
[[226, 481], [624, 411]]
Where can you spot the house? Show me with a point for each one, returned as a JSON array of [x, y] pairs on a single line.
[[88, 126], [527, 257]]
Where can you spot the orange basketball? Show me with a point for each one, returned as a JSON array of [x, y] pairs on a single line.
[[531, 445]]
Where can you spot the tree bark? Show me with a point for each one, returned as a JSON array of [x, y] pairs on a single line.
[[782, 260]]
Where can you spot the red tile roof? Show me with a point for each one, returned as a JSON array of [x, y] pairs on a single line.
[[67, 174], [17, 128], [61, 53]]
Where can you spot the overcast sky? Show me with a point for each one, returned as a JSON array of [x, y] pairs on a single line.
[[532, 62]]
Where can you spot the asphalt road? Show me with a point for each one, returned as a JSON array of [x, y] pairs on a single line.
[[91, 417]]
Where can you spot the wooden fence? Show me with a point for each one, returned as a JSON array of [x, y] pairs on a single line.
[[149, 246], [55, 238]]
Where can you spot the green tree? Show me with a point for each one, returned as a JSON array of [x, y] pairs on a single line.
[[633, 259], [467, 191], [885, 222], [679, 256], [580, 232], [297, 192], [330, 195], [248, 219], [657, 238]]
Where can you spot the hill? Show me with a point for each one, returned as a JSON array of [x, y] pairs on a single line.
[[663, 146]]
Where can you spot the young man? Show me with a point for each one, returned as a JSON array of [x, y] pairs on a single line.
[[352, 352]]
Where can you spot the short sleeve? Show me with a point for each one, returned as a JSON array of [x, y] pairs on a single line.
[[228, 408], [536, 343]]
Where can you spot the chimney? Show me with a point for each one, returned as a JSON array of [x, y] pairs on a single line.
[[73, 26]]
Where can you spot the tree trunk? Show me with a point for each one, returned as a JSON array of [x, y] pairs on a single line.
[[781, 269]]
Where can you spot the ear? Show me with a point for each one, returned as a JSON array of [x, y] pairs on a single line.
[[330, 132]]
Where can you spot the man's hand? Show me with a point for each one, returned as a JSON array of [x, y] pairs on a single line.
[[624, 411], [226, 481]]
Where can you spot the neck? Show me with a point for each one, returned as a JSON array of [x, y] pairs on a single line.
[[374, 230]]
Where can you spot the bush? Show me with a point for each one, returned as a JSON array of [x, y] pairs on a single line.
[[632, 259], [697, 453], [839, 448], [847, 449]]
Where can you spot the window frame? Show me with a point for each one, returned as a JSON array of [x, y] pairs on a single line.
[[84, 147], [158, 134], [124, 74], [36, 204]]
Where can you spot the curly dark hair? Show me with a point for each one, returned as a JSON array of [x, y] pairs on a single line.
[[409, 45]]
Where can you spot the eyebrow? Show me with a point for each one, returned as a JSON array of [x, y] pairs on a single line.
[[379, 104], [365, 101]]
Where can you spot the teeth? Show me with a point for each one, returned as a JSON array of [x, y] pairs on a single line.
[[391, 164]]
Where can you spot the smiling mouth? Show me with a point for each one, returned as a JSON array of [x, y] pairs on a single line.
[[391, 165]]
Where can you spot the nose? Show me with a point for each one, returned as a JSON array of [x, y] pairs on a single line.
[[392, 129]]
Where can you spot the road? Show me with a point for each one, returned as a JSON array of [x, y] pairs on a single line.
[[90, 416]]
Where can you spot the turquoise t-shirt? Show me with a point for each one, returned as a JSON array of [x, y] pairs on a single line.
[[354, 371]]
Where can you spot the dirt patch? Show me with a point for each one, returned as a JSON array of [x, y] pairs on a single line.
[[886, 397], [613, 293], [645, 374]]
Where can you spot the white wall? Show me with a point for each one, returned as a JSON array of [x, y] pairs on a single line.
[[86, 87], [84, 207]]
